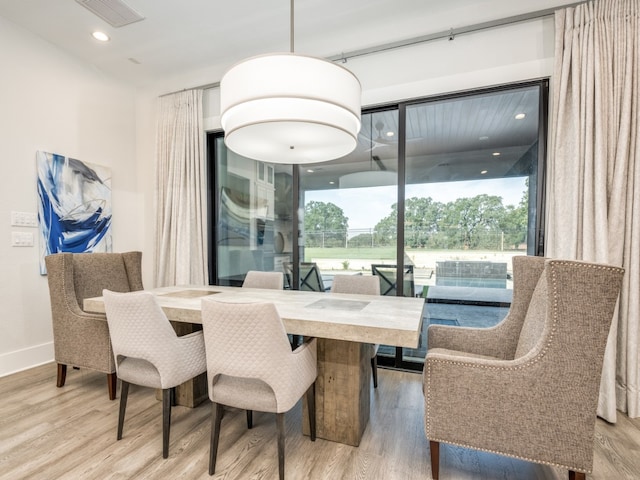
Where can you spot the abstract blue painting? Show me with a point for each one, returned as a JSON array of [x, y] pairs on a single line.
[[74, 210]]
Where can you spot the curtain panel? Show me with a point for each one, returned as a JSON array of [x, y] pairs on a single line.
[[593, 176], [180, 191]]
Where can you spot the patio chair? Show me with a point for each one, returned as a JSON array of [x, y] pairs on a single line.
[[388, 281], [310, 278]]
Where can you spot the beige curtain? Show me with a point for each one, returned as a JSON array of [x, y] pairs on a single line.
[[593, 200], [180, 191]]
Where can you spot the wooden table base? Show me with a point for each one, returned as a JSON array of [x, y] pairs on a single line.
[[342, 391]]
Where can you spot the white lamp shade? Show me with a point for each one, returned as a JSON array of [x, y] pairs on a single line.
[[289, 108]]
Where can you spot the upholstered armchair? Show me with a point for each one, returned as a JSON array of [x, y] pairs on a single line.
[[527, 388], [360, 285], [81, 339]]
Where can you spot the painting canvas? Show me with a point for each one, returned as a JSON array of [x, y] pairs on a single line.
[[74, 209]]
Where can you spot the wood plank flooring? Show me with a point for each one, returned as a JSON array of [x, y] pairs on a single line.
[[70, 433]]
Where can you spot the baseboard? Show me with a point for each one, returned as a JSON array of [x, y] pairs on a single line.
[[18, 360]]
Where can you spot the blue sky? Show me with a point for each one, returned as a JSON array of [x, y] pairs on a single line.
[[364, 207]]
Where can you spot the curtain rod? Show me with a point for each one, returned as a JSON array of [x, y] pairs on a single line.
[[450, 34]]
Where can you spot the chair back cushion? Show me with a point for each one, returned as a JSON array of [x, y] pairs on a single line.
[[248, 341], [269, 280], [145, 345], [94, 272], [356, 284]]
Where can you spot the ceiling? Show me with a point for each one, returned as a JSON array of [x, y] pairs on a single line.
[[194, 35], [183, 39], [450, 139]]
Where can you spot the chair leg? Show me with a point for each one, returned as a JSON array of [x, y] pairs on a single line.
[[311, 407], [577, 475], [435, 459], [280, 428], [216, 417], [124, 393], [62, 375], [166, 421], [249, 419], [112, 382], [374, 370]]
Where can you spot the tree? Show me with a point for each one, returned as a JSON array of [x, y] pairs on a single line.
[[421, 220], [516, 222], [475, 222], [325, 225]]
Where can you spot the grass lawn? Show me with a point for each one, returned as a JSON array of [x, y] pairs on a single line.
[[353, 253]]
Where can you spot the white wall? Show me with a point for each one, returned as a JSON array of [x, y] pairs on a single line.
[[51, 102]]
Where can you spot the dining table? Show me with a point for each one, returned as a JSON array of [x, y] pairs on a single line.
[[345, 325]]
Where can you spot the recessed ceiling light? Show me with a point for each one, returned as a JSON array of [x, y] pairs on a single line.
[[483, 172], [100, 36], [310, 170], [496, 154], [520, 116], [332, 183], [390, 134], [483, 138]]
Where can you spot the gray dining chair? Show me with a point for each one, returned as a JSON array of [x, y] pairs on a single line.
[[250, 366], [527, 388], [149, 353], [360, 285], [81, 339]]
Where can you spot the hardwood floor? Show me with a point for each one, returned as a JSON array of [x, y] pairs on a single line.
[[70, 433]]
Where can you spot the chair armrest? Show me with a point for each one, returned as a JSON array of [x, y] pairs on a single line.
[[305, 359], [480, 341], [309, 342], [193, 340], [506, 406], [184, 362]]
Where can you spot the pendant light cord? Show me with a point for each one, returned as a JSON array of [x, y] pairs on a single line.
[[291, 27]]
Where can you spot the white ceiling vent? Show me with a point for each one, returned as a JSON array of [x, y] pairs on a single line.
[[115, 12]]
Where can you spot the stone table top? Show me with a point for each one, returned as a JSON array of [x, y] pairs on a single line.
[[380, 319]]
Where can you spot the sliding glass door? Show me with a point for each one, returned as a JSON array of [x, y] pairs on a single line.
[[436, 199], [471, 186]]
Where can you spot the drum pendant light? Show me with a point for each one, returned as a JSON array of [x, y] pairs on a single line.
[[290, 108]]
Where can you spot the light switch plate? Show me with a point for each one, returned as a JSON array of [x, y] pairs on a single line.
[[24, 219], [21, 239]]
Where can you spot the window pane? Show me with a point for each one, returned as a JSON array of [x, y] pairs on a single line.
[[253, 210], [471, 165], [349, 205]]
